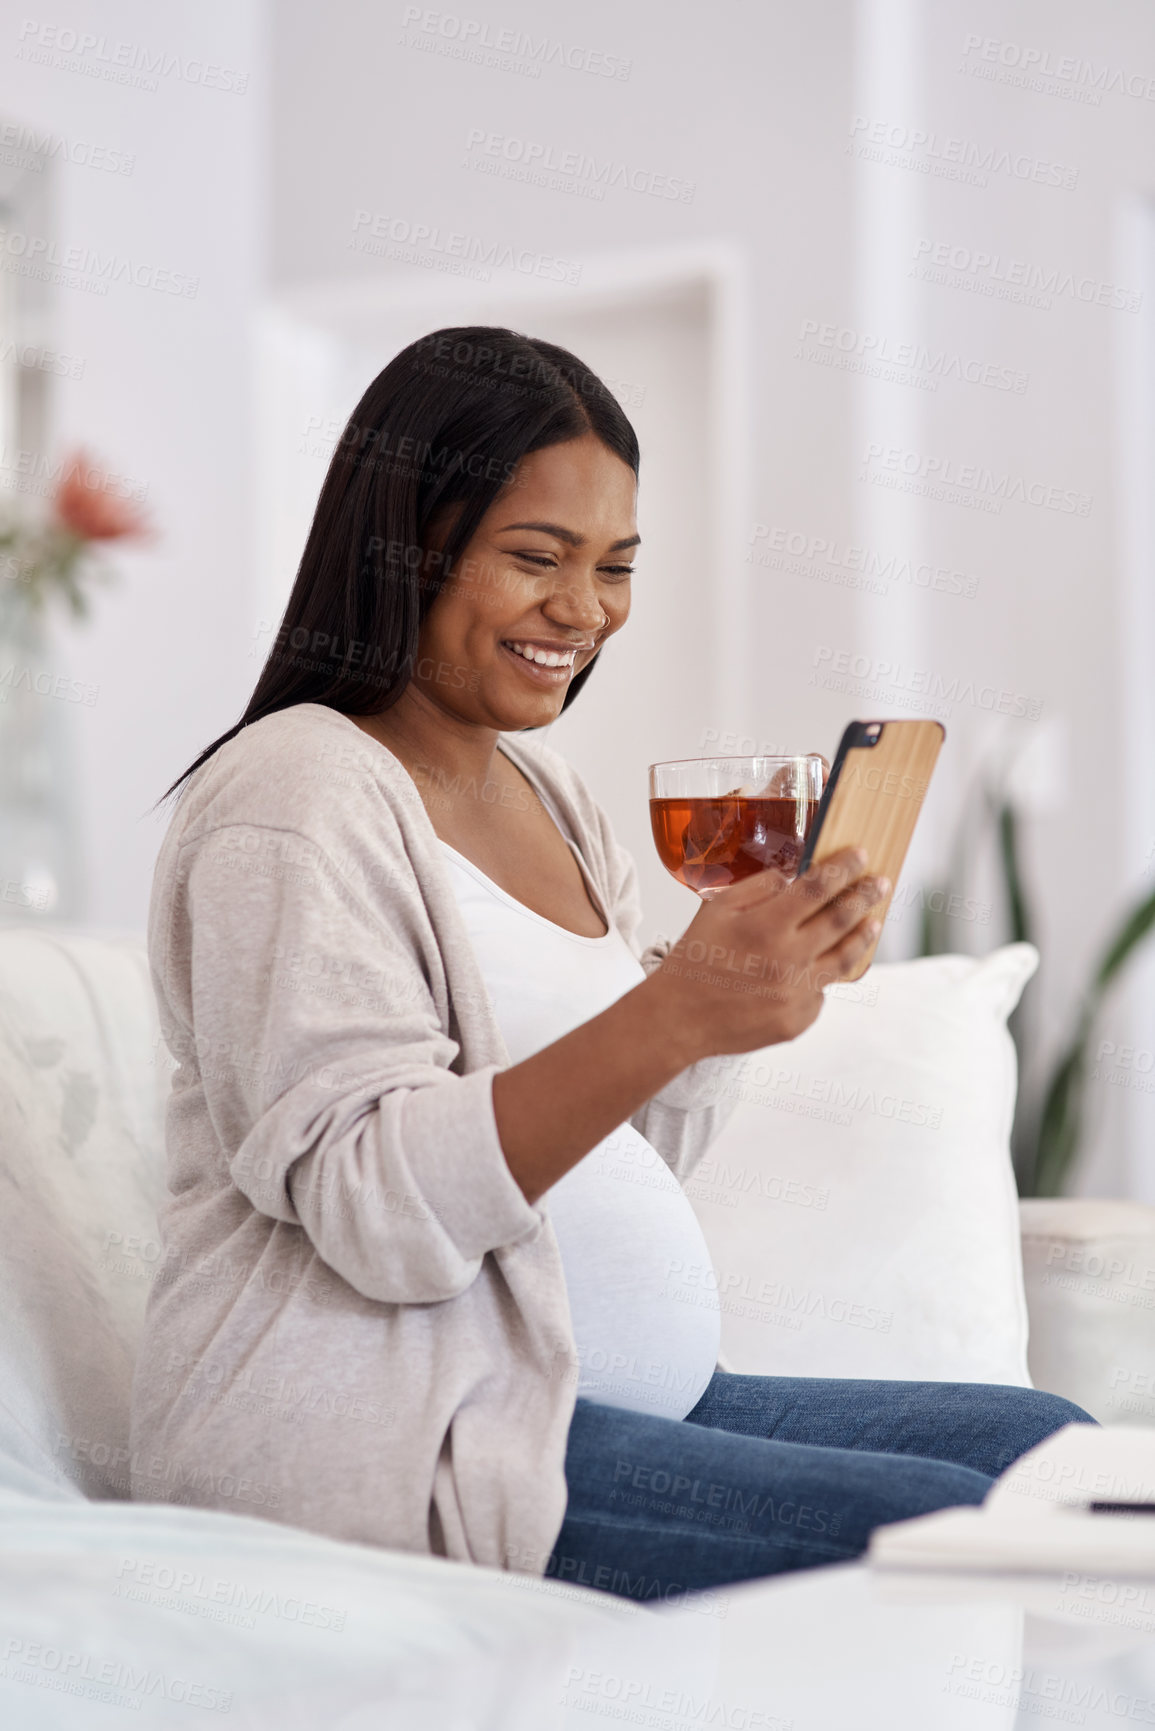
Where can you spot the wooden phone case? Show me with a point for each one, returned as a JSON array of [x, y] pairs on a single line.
[[872, 800]]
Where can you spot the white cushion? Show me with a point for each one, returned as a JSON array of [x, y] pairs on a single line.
[[1090, 1276], [83, 1078], [860, 1205]]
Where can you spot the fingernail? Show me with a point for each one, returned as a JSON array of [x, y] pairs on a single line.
[[860, 856], [882, 885], [873, 928]]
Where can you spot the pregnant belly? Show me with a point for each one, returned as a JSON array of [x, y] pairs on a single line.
[[641, 1286]]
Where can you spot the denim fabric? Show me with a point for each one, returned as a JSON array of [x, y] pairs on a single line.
[[774, 1473]]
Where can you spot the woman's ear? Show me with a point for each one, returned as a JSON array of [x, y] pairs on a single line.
[[433, 543]]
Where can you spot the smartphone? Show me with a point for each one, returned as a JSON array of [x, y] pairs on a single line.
[[872, 799]]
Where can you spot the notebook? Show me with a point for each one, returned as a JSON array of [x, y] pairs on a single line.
[[1084, 1500]]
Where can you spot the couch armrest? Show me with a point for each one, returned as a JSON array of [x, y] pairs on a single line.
[[1089, 1273]]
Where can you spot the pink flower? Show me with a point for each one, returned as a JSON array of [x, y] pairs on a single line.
[[90, 504]]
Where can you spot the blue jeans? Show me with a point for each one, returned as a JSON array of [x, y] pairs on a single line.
[[773, 1473]]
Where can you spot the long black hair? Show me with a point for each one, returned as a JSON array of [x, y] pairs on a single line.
[[425, 453]]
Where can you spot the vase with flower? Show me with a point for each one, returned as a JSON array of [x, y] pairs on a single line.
[[48, 564]]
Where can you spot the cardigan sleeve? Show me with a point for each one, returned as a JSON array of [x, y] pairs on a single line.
[[313, 1031]]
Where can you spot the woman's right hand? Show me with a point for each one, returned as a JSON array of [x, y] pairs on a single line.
[[750, 967]]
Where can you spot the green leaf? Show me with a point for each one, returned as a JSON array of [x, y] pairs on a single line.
[[1061, 1120], [1130, 935], [1008, 830]]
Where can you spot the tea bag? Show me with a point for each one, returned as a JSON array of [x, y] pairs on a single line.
[[722, 842], [710, 842]]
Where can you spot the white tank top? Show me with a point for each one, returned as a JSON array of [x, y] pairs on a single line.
[[641, 1288]]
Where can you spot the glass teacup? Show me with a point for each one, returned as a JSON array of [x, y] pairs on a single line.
[[717, 820]]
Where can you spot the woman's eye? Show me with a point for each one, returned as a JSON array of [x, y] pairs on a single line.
[[547, 562]]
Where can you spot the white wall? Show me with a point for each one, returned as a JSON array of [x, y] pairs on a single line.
[[1053, 603], [165, 393], [755, 107]]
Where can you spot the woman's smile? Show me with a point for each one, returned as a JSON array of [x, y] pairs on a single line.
[[548, 663]]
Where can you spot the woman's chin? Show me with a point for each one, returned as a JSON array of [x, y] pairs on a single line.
[[530, 715], [528, 708]]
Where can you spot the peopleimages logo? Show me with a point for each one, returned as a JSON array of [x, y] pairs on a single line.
[[24, 147], [992, 274], [971, 479], [515, 49], [813, 555], [502, 154], [1063, 69], [388, 235], [930, 691], [36, 356], [907, 362], [111, 1681], [914, 147], [131, 63], [33, 255]]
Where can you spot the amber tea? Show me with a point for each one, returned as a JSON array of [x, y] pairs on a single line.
[[709, 843]]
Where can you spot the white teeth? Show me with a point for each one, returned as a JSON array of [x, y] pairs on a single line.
[[543, 657]]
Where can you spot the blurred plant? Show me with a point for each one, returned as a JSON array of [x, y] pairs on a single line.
[[54, 558], [1060, 1117], [1047, 1133]]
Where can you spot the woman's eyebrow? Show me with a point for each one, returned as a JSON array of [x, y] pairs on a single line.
[[569, 536]]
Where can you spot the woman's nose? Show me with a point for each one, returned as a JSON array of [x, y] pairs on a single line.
[[576, 602]]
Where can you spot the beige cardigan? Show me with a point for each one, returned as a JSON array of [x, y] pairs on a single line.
[[359, 1325]]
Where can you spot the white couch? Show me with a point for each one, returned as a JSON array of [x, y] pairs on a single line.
[[83, 1077]]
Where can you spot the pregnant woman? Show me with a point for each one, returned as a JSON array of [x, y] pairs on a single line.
[[430, 1279]]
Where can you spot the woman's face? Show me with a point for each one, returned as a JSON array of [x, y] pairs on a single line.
[[546, 574]]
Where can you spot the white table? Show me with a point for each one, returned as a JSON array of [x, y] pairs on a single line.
[[849, 1649]]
